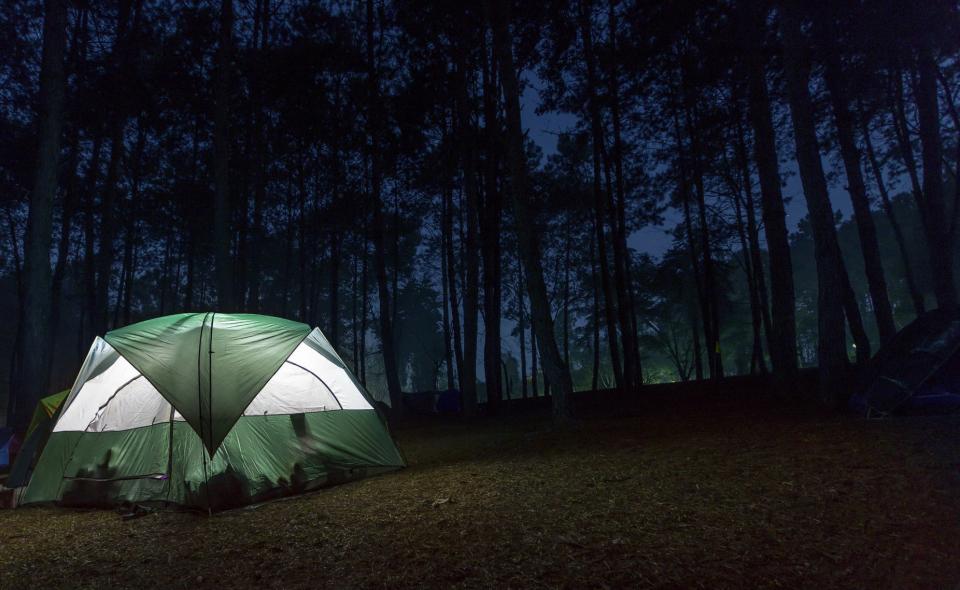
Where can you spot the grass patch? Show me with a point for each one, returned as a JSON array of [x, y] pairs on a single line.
[[718, 496]]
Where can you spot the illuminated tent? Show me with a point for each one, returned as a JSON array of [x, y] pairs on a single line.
[[210, 410], [35, 438]]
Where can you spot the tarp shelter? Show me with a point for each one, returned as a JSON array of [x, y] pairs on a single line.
[[44, 416], [917, 372], [210, 410]]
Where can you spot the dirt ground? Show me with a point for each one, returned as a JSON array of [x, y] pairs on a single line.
[[712, 497]]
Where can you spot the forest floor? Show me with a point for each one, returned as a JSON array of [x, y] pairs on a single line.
[[724, 495]]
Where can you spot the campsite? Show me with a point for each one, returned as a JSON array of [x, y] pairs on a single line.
[[502, 294]]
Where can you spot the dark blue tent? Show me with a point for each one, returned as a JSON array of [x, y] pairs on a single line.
[[918, 372], [7, 441]]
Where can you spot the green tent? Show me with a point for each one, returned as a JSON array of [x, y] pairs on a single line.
[[212, 411], [41, 423]]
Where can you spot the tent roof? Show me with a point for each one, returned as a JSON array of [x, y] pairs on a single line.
[[209, 366]]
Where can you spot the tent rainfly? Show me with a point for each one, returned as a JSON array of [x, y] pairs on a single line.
[[210, 411], [37, 433]]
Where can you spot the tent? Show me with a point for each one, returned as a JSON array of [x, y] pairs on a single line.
[[210, 411], [917, 372], [35, 438], [8, 444]]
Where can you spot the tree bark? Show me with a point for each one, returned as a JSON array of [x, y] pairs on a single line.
[[36, 351], [916, 296], [452, 281], [364, 312], [620, 372], [490, 240], [595, 319], [902, 134], [866, 229], [628, 317], [556, 371], [683, 190], [939, 244], [831, 350], [223, 263], [534, 359], [374, 122], [522, 329], [445, 299], [710, 290], [757, 364], [471, 295], [783, 334], [760, 314], [256, 234], [72, 191]]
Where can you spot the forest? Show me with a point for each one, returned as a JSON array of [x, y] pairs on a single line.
[[506, 199], [571, 293]]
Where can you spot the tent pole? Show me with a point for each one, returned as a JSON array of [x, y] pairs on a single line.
[[203, 447], [209, 397]]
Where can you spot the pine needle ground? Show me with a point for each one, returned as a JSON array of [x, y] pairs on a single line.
[[724, 495]]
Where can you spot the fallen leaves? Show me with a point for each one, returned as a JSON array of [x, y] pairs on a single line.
[[715, 498]]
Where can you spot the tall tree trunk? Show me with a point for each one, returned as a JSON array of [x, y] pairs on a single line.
[[621, 373], [756, 282], [624, 310], [955, 117], [444, 281], [88, 326], [302, 244], [374, 122], [783, 340], [121, 56], [866, 229], [490, 239], [757, 364], [939, 246], [710, 289], [468, 162], [683, 190], [333, 291], [354, 321], [364, 313], [902, 133], [628, 317], [916, 296], [566, 298], [452, 281], [695, 337], [255, 236], [555, 369], [851, 307], [71, 199], [105, 254], [595, 319], [522, 329], [131, 233], [35, 354], [534, 359], [223, 263], [831, 350]]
